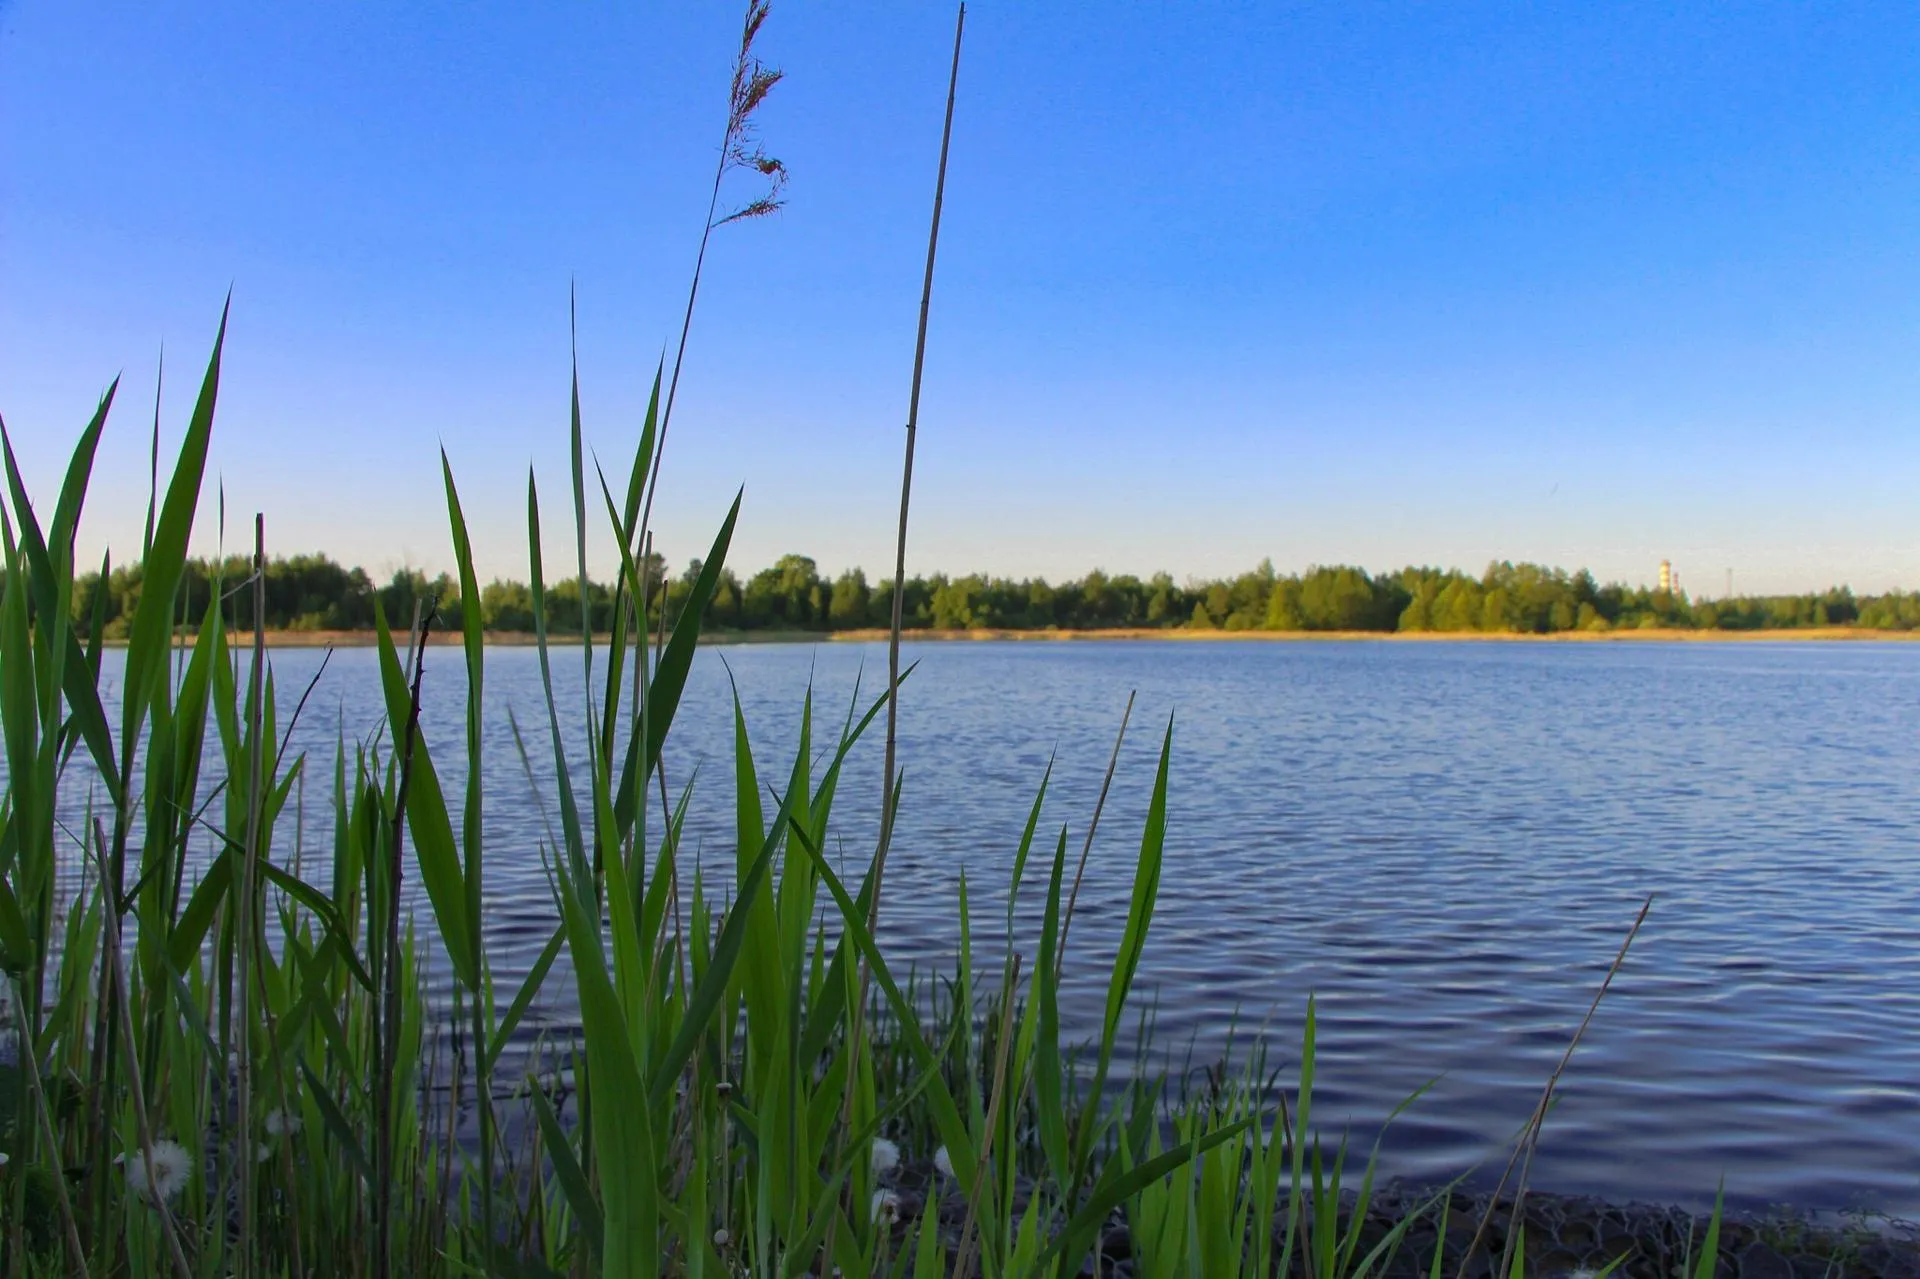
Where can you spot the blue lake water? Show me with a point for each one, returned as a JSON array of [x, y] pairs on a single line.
[[1445, 843]]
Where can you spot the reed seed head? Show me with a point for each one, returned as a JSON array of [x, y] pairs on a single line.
[[752, 81]]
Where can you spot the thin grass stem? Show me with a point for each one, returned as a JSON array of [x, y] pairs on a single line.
[[70, 1233], [1523, 1153], [906, 496]]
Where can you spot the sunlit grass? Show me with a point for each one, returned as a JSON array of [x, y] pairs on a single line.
[[729, 1090], [225, 1064]]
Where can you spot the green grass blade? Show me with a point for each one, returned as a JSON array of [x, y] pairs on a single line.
[[670, 678], [567, 1171], [41, 579], [473, 640], [1709, 1261], [576, 849], [16, 941], [1117, 1187], [337, 1124], [622, 1132], [642, 460], [73, 493], [1146, 889], [326, 911], [1026, 844], [427, 821], [190, 930], [166, 559], [946, 1113], [1049, 1078], [713, 983], [89, 716], [536, 977], [19, 706]]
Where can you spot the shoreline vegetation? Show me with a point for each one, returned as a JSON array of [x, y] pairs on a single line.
[[791, 598], [216, 1051], [874, 635]]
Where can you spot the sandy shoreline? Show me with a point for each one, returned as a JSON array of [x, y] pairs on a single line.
[[522, 639], [1824, 633]]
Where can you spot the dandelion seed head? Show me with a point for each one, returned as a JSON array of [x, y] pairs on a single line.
[[886, 1156], [171, 1167]]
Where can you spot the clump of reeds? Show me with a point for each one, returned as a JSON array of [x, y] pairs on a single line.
[[222, 1060], [735, 1105]]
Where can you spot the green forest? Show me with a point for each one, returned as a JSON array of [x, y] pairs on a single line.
[[313, 592]]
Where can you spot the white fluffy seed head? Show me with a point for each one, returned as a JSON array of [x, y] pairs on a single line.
[[171, 1168], [721, 1238], [886, 1156], [282, 1123], [943, 1161], [886, 1207]]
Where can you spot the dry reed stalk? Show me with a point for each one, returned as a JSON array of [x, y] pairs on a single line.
[[1530, 1141], [906, 496], [888, 790], [29, 1057], [752, 81]]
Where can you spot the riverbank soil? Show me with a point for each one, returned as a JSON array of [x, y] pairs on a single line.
[[1566, 1237]]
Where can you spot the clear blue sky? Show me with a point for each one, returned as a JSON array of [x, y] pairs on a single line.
[[1588, 284]]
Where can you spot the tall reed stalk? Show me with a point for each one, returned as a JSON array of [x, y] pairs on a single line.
[[896, 617]]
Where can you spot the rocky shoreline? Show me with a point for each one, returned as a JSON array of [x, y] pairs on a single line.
[[1565, 1236]]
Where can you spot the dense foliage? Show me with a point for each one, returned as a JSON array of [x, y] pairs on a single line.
[[312, 592]]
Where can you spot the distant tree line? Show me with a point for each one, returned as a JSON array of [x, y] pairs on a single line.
[[312, 592]]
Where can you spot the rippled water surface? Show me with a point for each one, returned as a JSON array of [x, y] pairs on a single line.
[[1444, 842]]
